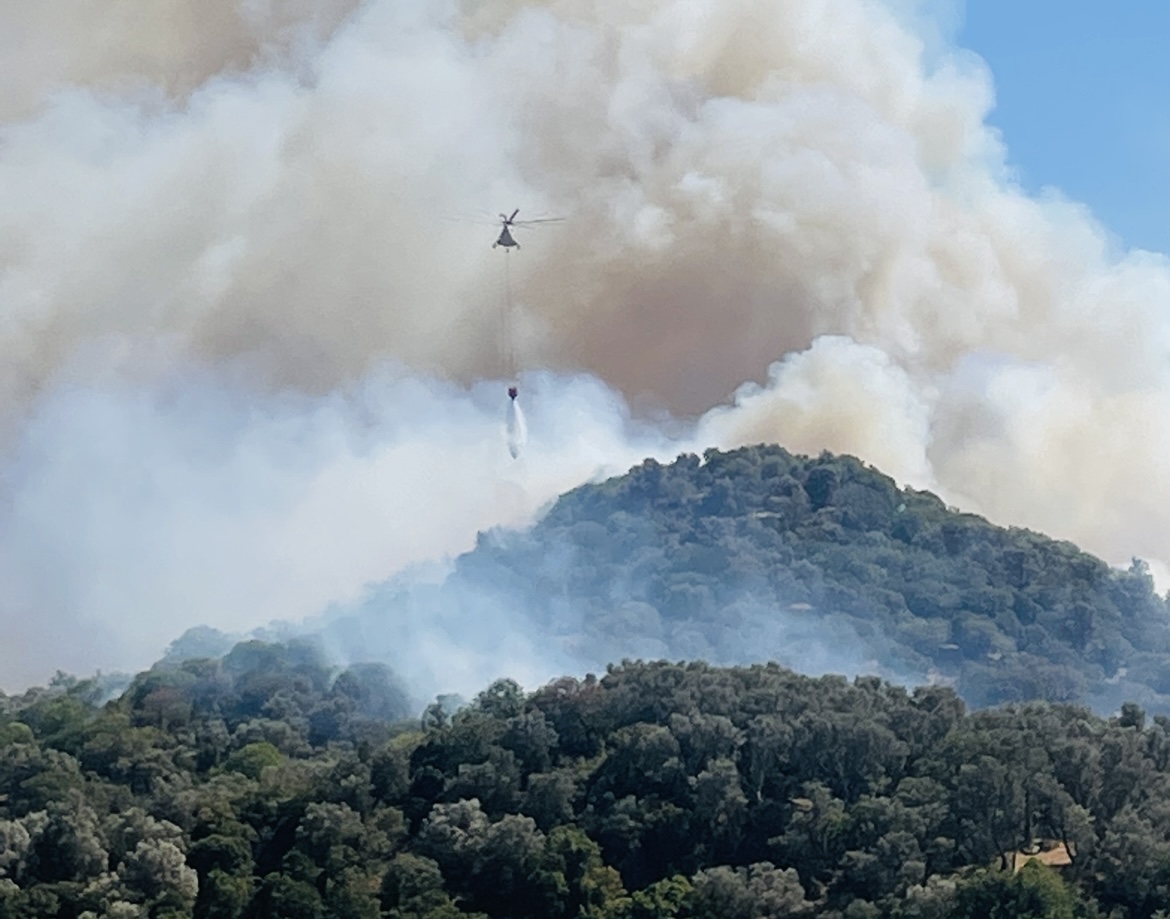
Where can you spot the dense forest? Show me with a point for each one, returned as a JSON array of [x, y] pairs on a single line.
[[267, 784], [261, 781], [819, 563]]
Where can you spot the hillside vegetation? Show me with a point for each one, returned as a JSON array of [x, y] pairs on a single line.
[[823, 563], [269, 786]]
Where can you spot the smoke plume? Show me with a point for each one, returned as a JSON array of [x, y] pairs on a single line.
[[243, 354]]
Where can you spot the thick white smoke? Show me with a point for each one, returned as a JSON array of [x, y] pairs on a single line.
[[134, 513], [241, 347]]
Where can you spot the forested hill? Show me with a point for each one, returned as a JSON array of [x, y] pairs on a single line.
[[823, 564]]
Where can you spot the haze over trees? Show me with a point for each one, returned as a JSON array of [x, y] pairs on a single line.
[[821, 563]]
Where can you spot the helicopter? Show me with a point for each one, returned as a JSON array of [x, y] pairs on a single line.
[[506, 239], [516, 433]]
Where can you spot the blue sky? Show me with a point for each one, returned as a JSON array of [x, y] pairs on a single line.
[[1083, 101]]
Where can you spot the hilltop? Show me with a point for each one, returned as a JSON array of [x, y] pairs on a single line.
[[820, 563]]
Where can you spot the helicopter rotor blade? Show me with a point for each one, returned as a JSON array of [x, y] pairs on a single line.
[[513, 217], [477, 221], [528, 223]]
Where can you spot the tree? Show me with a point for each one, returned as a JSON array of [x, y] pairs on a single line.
[[663, 899], [69, 845], [720, 807], [281, 897], [412, 885], [157, 869], [576, 880], [222, 895], [549, 798], [252, 759], [503, 699], [1034, 892], [759, 891]]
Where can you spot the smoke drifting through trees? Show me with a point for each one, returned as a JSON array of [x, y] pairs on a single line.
[[206, 268]]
